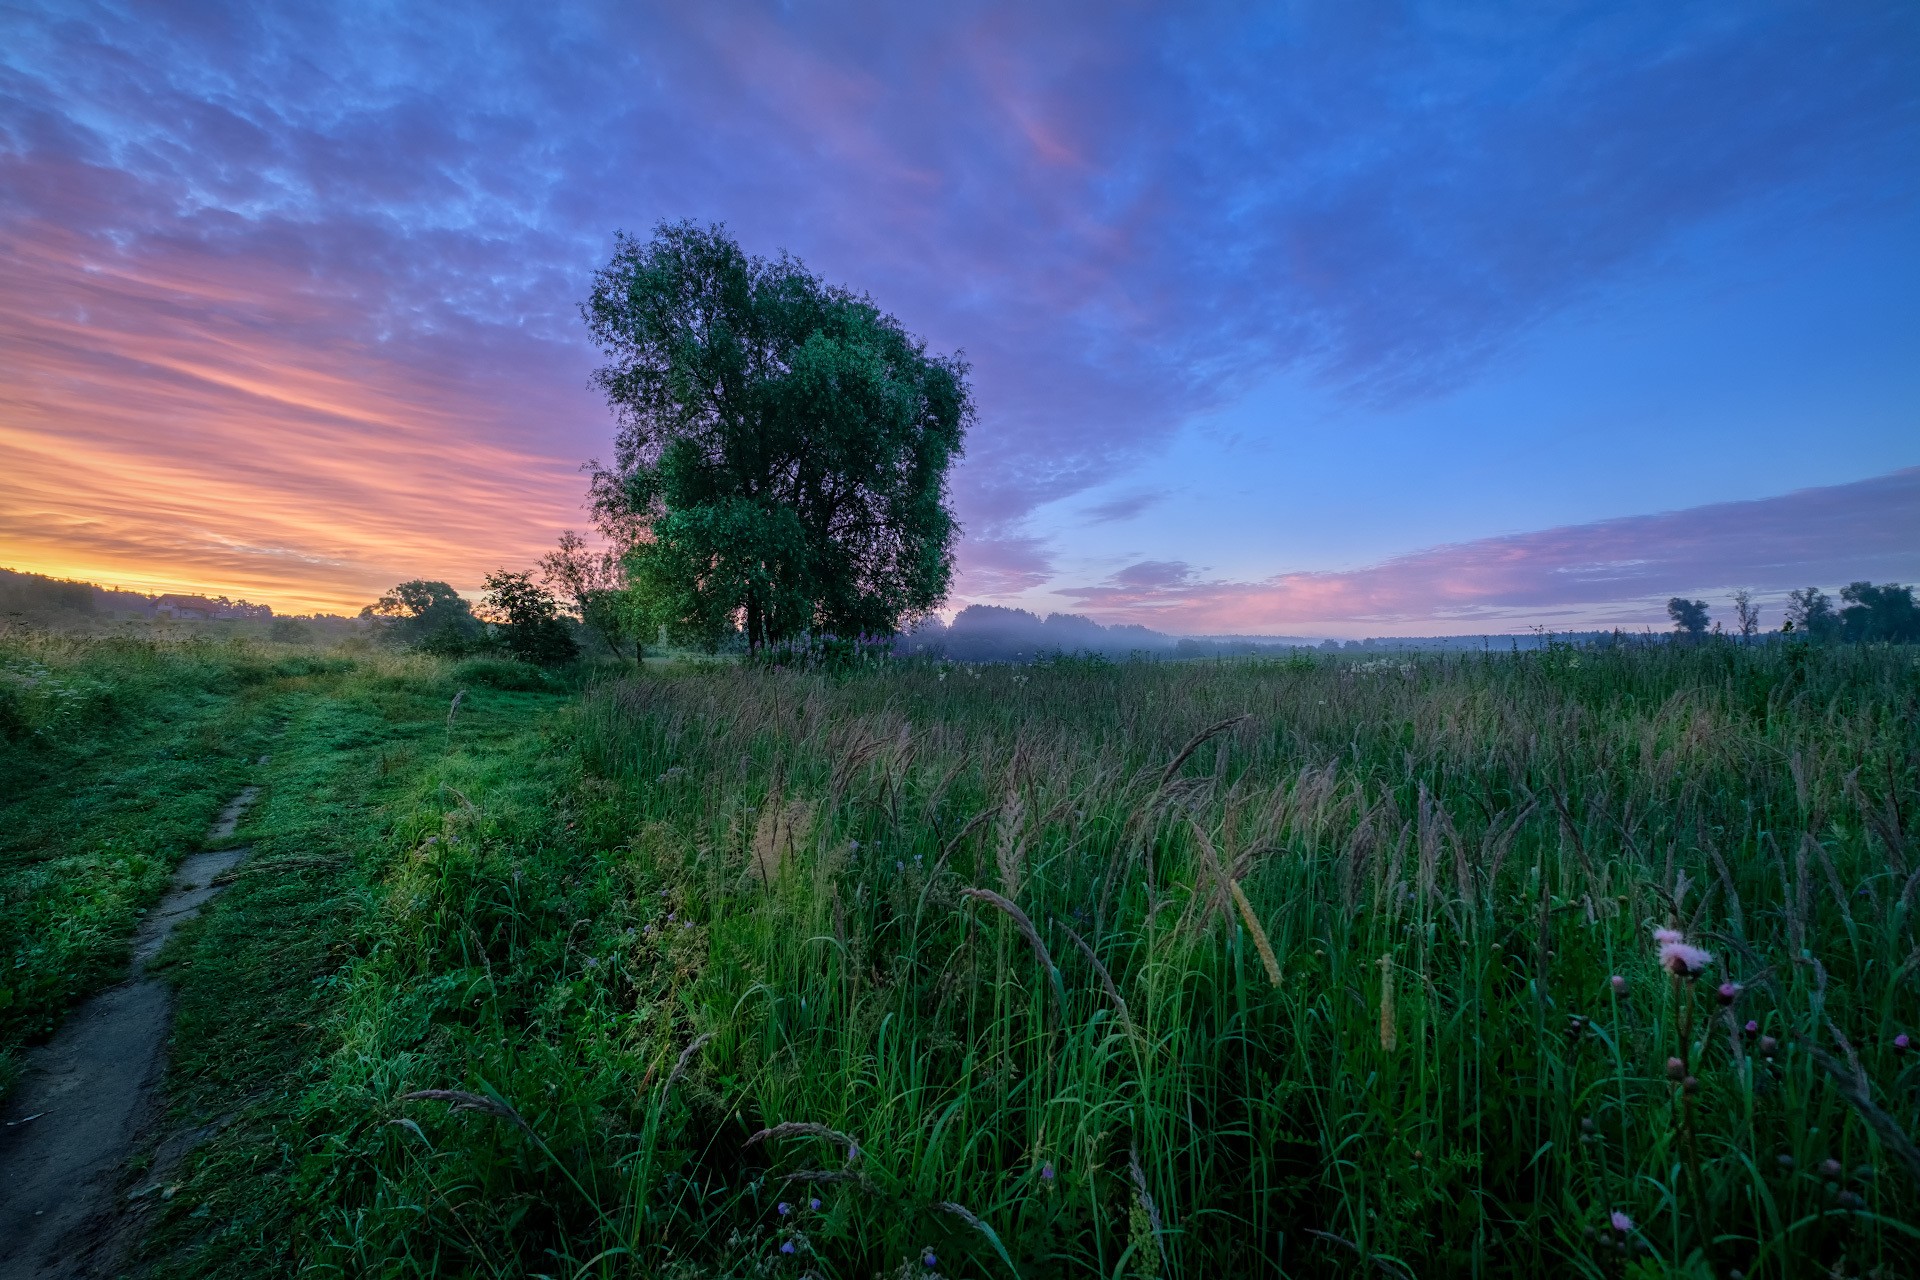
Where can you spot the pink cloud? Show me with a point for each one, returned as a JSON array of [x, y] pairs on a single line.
[[1614, 572]]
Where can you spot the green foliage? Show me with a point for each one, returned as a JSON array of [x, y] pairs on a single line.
[[430, 616], [527, 621], [43, 600], [698, 906], [1810, 614], [1689, 616], [1883, 614], [595, 583], [783, 443], [503, 673]]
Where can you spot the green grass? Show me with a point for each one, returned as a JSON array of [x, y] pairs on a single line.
[[638, 929], [261, 976], [115, 757]]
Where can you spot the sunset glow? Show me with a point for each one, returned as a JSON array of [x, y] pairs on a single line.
[[1311, 324]]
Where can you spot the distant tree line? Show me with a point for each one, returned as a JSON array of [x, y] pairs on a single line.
[[1868, 614]]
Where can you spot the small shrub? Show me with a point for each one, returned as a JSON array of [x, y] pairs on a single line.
[[503, 673]]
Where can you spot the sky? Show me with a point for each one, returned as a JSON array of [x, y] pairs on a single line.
[[1330, 319]]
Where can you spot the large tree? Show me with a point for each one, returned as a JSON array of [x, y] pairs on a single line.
[[783, 444]]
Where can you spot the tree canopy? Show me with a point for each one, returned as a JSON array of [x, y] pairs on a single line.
[[782, 448], [594, 582], [1689, 616], [526, 620], [429, 615]]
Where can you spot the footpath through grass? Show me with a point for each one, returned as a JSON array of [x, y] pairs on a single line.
[[1072, 971], [115, 756]]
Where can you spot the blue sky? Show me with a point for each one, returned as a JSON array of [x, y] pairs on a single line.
[[1254, 296]]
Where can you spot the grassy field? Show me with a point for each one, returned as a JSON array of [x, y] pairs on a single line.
[[1303, 968], [115, 755]]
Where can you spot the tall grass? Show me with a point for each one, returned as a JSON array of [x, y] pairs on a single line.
[[973, 971]]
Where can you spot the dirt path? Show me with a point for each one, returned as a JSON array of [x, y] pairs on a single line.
[[89, 1097]]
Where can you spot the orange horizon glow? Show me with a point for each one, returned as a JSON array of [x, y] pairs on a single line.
[[167, 427]]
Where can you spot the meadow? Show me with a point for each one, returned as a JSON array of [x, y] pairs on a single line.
[[1303, 967]]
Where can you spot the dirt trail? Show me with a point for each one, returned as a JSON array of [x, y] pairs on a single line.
[[89, 1097]]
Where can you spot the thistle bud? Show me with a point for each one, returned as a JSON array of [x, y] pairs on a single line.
[[1676, 1069], [1619, 984]]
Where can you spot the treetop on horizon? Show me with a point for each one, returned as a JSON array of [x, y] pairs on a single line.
[[782, 445]]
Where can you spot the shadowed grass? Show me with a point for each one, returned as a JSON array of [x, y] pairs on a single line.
[[552, 924]]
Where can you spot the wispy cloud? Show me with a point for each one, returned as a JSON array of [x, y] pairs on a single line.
[[1611, 573], [314, 266]]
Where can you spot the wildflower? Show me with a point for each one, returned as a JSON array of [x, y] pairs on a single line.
[[928, 1260], [1728, 992], [1676, 1069], [1901, 1043], [1680, 957], [814, 1204], [686, 924], [1767, 1045], [1621, 1222], [786, 1246], [1618, 983], [1752, 1026], [854, 845], [1830, 1169], [853, 1152], [1046, 1172], [783, 1208]]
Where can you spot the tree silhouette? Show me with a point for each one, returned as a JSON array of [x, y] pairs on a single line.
[[595, 582], [1884, 613], [427, 615], [1689, 616], [783, 445], [528, 619], [1810, 612]]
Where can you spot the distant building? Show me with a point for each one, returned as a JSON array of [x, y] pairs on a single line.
[[177, 606]]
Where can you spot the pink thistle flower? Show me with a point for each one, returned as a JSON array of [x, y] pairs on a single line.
[[1621, 1222], [1680, 957]]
